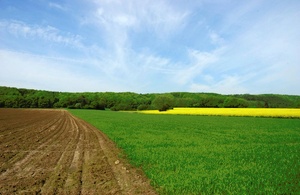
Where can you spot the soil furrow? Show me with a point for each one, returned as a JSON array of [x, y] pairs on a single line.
[[19, 142], [73, 181], [53, 152], [23, 158], [56, 180]]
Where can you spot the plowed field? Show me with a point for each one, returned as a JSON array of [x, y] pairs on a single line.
[[53, 152]]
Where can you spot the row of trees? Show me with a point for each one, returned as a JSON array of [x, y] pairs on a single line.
[[25, 98]]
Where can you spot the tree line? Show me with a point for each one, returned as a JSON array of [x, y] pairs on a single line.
[[28, 98]]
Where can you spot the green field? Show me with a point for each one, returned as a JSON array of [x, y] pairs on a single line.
[[207, 154]]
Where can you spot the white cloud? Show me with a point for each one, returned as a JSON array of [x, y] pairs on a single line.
[[62, 74], [39, 72], [199, 61], [228, 85], [260, 54], [148, 45], [216, 38], [47, 33], [57, 6], [159, 16], [117, 21], [163, 18], [125, 20]]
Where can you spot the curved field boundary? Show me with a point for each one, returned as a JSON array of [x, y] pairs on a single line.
[[53, 152]]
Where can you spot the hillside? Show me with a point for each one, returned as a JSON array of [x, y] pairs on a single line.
[[28, 98]]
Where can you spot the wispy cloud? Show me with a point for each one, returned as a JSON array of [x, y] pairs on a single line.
[[57, 6], [198, 63], [216, 38], [120, 22], [47, 33], [260, 57], [160, 17], [226, 85], [26, 70], [66, 74], [156, 46]]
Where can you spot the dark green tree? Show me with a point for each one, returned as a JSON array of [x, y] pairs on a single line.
[[163, 102]]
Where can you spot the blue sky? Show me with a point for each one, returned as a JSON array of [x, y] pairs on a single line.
[[221, 46]]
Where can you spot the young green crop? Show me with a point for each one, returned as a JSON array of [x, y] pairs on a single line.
[[207, 154]]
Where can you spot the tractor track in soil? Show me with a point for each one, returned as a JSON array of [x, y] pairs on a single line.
[[53, 152]]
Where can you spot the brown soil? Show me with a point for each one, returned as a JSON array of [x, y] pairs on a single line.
[[53, 152]]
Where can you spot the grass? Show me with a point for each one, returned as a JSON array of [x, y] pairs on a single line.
[[207, 154], [256, 112]]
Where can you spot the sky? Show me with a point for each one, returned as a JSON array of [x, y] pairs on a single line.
[[151, 46]]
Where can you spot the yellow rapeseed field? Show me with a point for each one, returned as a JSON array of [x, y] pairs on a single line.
[[256, 112]]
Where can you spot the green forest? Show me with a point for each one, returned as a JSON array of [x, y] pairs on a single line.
[[11, 97]]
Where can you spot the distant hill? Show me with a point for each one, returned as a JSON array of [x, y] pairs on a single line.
[[11, 97]]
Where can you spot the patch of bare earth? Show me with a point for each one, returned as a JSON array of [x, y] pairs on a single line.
[[53, 152]]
